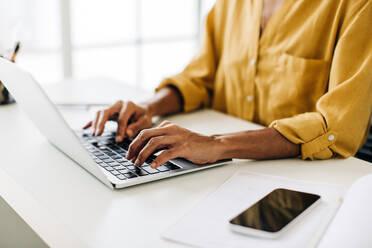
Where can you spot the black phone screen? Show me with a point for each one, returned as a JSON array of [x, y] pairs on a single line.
[[275, 210]]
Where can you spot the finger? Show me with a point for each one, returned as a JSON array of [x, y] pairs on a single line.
[[125, 114], [164, 157], [95, 122], [134, 128], [102, 121], [140, 141], [152, 146], [88, 125], [165, 123]]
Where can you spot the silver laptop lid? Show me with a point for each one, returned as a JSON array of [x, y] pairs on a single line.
[[46, 117]]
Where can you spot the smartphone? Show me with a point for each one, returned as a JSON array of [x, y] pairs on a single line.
[[274, 213]]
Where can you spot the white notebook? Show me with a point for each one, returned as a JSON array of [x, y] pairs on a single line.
[[328, 225], [207, 224], [352, 225]]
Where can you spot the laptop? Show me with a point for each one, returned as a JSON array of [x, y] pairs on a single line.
[[101, 156]]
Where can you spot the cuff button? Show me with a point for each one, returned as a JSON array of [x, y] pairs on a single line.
[[331, 137]]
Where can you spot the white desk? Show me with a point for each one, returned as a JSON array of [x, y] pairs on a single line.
[[67, 207]]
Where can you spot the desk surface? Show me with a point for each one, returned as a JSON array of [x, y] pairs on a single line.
[[68, 207]]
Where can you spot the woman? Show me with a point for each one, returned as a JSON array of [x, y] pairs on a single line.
[[301, 68]]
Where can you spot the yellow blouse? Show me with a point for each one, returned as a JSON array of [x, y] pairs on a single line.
[[309, 74]]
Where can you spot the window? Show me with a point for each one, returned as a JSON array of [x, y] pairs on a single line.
[[137, 41], [36, 24]]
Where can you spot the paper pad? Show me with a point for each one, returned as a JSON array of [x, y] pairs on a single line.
[[207, 224]]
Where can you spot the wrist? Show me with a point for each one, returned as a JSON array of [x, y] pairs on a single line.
[[231, 146], [149, 109], [223, 148]]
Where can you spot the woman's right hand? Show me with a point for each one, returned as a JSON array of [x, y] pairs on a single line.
[[131, 119]]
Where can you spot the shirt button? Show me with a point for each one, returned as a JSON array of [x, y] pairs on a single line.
[[252, 62], [249, 98], [331, 137]]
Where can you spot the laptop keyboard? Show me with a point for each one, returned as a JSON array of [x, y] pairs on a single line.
[[111, 156]]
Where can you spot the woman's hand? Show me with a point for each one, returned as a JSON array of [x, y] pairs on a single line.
[[176, 142], [131, 119]]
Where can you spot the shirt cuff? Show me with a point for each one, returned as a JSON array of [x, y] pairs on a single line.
[[310, 131], [194, 95]]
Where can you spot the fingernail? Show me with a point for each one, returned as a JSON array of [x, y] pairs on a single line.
[[137, 163], [128, 156], [117, 138], [153, 165]]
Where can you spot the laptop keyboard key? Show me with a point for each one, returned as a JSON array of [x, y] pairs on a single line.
[[141, 172], [109, 145], [171, 166], [108, 160], [122, 160], [124, 171], [150, 170], [113, 163], [114, 172], [127, 163], [123, 145], [130, 175], [121, 177], [162, 168], [119, 167]]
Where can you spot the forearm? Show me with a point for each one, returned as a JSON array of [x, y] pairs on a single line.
[[166, 101], [258, 144]]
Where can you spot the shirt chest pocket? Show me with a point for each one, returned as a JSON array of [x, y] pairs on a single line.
[[298, 83]]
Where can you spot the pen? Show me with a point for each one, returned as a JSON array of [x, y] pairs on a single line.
[[5, 97], [15, 52]]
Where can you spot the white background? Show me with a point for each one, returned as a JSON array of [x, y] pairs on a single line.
[[137, 41]]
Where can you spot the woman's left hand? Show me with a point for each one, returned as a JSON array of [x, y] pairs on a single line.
[[177, 142]]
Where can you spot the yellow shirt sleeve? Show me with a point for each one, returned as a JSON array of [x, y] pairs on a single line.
[[342, 114], [196, 82]]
